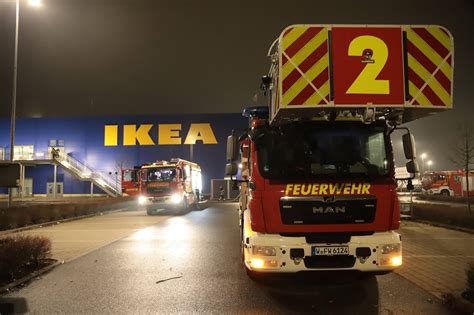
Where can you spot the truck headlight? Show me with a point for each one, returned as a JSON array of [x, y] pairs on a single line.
[[390, 248], [393, 261], [176, 198], [263, 250], [142, 200], [258, 263], [396, 260]]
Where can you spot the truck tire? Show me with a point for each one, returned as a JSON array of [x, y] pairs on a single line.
[[184, 207], [242, 246], [195, 204], [252, 274], [371, 274], [445, 193], [150, 211]]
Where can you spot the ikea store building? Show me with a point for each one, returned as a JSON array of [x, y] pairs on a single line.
[[94, 149]]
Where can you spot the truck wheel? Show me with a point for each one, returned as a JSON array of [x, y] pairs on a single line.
[[242, 245], [445, 193], [150, 211], [255, 275], [371, 274], [250, 273], [184, 207], [195, 204]]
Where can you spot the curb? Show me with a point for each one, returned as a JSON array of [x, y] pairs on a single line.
[[46, 224], [8, 288], [446, 226]]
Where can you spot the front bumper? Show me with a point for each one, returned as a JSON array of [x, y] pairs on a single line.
[[286, 247], [163, 202]]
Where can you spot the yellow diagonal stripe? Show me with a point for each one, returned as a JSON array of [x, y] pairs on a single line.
[[441, 37], [420, 97], [301, 83], [426, 75], [305, 51], [429, 52], [315, 98], [292, 36]]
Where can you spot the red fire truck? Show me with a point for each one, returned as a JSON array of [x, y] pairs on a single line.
[[448, 183], [318, 182], [130, 185], [174, 184]]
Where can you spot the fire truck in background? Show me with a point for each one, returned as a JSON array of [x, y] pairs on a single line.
[[448, 183], [174, 184], [319, 186], [130, 185]]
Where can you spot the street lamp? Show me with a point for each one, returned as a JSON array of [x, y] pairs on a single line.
[[429, 164], [423, 157], [35, 3]]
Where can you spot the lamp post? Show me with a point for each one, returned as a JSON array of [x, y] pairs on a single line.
[[35, 3], [423, 157], [429, 164]]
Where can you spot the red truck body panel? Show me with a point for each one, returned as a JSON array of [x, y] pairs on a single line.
[[265, 208]]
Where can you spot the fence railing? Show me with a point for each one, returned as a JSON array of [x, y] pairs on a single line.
[[104, 181]]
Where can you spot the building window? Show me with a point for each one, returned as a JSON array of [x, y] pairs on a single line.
[[23, 152]]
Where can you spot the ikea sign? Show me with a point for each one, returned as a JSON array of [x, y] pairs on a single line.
[[168, 134]]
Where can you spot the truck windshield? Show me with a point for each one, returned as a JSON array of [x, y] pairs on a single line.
[[319, 149], [161, 174]]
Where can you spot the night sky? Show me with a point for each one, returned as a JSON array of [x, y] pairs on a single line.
[[101, 57]]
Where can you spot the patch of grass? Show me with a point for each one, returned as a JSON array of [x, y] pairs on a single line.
[[443, 198], [21, 255], [470, 276], [19, 216], [445, 214]]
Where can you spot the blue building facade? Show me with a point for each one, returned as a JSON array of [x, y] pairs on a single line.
[[106, 144]]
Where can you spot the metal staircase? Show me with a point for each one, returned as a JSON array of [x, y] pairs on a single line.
[[108, 184]]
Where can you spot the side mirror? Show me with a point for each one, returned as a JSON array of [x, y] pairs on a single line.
[[231, 169], [412, 167], [232, 148], [265, 84], [409, 146]]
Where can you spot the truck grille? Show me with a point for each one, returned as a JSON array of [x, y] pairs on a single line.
[[157, 190], [329, 237], [328, 210]]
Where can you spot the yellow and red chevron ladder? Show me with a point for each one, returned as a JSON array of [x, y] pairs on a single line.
[[305, 66], [429, 59]]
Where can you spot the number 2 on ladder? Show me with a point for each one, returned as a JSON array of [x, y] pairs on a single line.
[[375, 52]]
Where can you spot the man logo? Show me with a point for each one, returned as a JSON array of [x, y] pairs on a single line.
[[329, 209]]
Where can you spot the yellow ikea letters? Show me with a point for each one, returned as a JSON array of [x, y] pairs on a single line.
[[200, 132], [131, 135], [168, 134]]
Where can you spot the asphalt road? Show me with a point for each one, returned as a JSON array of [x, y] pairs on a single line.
[[191, 264]]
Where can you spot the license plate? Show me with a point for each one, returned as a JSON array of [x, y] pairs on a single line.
[[330, 250]]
